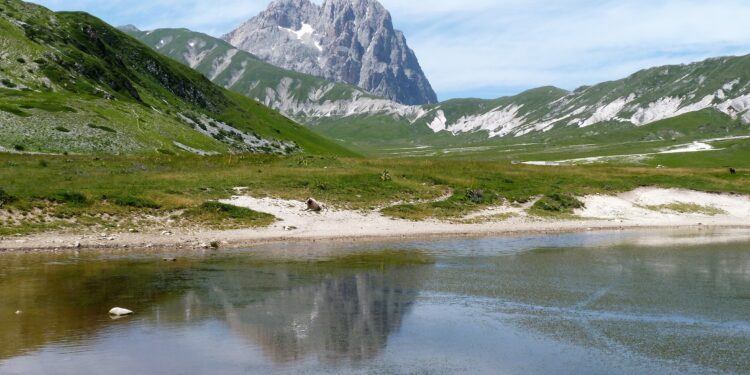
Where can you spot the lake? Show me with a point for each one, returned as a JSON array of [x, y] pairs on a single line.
[[589, 303]]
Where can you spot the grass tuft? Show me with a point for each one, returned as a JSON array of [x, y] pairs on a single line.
[[68, 197], [135, 202], [221, 215], [558, 203], [6, 198], [688, 208]]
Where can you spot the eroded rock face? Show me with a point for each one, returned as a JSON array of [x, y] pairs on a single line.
[[350, 41]]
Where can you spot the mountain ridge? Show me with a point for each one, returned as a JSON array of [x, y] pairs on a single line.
[[344, 41], [69, 82], [532, 112]]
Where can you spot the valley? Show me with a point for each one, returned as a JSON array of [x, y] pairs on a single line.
[[114, 129], [285, 193]]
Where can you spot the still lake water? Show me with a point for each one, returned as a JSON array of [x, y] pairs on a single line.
[[593, 303]]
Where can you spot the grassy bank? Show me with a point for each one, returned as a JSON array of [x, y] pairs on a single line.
[[128, 193]]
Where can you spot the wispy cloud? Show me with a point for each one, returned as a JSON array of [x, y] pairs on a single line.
[[489, 48]]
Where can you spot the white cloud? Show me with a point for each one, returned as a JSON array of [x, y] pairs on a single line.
[[473, 46]]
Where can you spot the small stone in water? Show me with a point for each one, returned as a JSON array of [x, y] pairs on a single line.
[[19, 312], [119, 311]]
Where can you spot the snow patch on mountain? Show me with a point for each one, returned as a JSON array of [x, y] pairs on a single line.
[[237, 75], [655, 111], [313, 106], [196, 53], [438, 123], [498, 122], [306, 35], [163, 42], [221, 64], [608, 111], [730, 85]]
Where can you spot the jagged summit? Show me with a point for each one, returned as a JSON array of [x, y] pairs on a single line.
[[350, 41]]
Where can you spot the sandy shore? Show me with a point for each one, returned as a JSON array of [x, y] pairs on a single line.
[[641, 208]]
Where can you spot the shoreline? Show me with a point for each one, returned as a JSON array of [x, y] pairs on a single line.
[[627, 211], [247, 238]]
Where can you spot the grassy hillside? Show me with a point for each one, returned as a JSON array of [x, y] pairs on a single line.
[[235, 69], [71, 83]]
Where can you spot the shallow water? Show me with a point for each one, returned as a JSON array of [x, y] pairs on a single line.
[[615, 303]]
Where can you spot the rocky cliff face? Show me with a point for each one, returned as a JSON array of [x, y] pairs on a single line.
[[350, 41]]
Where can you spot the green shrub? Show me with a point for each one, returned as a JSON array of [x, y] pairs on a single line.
[[220, 215], [136, 202], [7, 83], [68, 197], [62, 129], [165, 152], [227, 210], [562, 203], [18, 147], [6, 107], [475, 195], [6, 198]]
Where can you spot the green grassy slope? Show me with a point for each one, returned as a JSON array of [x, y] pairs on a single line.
[[239, 70], [66, 76]]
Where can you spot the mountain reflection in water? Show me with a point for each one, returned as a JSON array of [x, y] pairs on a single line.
[[289, 312], [347, 317]]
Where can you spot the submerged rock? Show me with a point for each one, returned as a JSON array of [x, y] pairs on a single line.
[[119, 311]]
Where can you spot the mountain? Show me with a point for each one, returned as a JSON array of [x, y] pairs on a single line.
[[302, 97], [349, 41], [71, 83], [363, 120], [648, 96]]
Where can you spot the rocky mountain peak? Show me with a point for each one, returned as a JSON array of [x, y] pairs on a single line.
[[349, 41]]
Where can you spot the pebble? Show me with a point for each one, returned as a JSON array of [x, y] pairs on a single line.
[[19, 312], [119, 311]]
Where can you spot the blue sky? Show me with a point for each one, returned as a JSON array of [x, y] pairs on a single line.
[[491, 48]]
